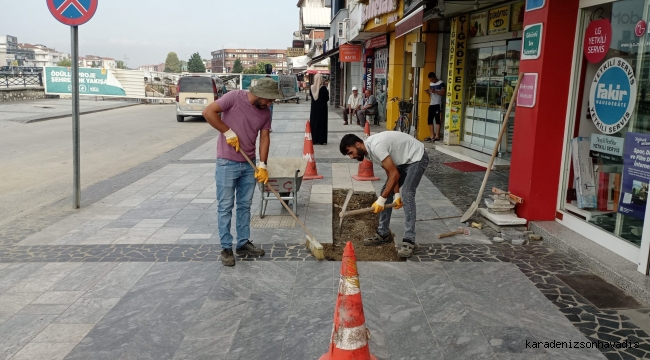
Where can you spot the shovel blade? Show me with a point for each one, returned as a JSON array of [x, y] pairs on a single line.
[[468, 214]]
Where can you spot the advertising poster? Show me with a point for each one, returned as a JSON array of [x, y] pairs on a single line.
[[455, 79], [612, 96], [478, 24], [92, 81], [498, 20], [517, 16], [636, 175]]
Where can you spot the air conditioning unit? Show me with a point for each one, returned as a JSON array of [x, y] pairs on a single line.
[[342, 30]]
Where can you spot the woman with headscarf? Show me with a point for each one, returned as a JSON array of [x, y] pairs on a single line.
[[318, 115]]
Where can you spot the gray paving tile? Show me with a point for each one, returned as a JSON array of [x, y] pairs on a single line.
[[461, 340], [308, 330], [14, 273], [214, 348], [43, 351], [119, 280], [87, 311], [63, 333], [407, 332], [439, 298], [58, 298], [510, 339], [14, 302], [44, 309], [217, 319], [44, 278], [20, 330], [84, 277], [319, 275], [263, 323]]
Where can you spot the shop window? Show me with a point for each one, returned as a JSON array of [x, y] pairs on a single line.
[[606, 183]]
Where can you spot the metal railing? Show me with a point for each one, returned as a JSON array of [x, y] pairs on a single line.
[[21, 80]]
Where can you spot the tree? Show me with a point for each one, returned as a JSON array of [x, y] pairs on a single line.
[[257, 69], [120, 64], [195, 64], [237, 68], [172, 64], [65, 63], [94, 64]]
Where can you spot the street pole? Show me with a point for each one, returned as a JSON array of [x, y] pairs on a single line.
[[76, 191]]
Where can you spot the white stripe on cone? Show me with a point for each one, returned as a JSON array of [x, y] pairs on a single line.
[[349, 285], [351, 338]]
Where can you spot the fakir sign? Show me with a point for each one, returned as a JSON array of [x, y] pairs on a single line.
[[376, 8]]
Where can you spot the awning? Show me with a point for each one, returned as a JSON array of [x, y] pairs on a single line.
[[313, 17], [413, 21], [323, 56]]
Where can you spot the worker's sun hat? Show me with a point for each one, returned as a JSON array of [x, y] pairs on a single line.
[[266, 88]]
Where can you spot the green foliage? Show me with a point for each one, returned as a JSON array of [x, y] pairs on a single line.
[[237, 68], [257, 69], [94, 64], [65, 63], [195, 64], [120, 64], [172, 64]]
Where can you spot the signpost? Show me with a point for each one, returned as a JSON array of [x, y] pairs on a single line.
[[74, 13]]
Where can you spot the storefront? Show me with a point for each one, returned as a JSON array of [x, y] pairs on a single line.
[[377, 71], [490, 76], [583, 122]]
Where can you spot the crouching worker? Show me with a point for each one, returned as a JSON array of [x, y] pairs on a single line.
[[239, 116], [404, 160]]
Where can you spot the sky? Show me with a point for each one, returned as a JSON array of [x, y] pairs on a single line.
[[144, 31]]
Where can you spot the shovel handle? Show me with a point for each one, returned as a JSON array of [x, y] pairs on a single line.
[[363, 211], [457, 232]]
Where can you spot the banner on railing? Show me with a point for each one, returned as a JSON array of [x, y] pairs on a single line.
[[92, 81]]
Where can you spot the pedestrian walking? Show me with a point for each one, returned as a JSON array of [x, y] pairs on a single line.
[[318, 114], [436, 93], [368, 107], [239, 116], [354, 104], [404, 160]]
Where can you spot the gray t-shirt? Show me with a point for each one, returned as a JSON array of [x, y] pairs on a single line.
[[402, 148], [372, 101], [435, 98]]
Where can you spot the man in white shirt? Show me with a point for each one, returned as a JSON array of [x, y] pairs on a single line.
[[354, 104], [404, 160], [436, 93]]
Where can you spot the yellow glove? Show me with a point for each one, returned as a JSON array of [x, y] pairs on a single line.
[[232, 139], [397, 201], [261, 174], [378, 206]]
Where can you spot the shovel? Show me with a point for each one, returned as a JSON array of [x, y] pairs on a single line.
[[504, 125], [344, 213], [460, 231]]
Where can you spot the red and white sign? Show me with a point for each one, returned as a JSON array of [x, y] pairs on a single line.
[[598, 37], [72, 12], [640, 28], [377, 42], [527, 93], [349, 53]]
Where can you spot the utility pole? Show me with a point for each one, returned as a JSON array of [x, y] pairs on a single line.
[[126, 62]]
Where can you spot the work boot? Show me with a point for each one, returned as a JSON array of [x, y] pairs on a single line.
[[250, 249], [407, 250], [377, 239], [227, 257]]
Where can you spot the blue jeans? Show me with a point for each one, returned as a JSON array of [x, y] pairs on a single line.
[[235, 182]]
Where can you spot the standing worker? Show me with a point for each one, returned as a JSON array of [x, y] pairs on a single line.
[[239, 116], [320, 97], [404, 160], [436, 92]]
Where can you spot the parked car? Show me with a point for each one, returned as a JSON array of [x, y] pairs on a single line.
[[193, 94]]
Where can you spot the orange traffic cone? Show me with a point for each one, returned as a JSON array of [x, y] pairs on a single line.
[[350, 335], [365, 172], [308, 153]]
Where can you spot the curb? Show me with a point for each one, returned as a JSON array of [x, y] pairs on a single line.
[[30, 121]]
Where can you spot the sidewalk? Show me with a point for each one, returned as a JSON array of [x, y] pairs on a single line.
[[47, 109], [136, 275]]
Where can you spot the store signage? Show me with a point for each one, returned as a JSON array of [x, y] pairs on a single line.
[[409, 23], [381, 63], [369, 64], [640, 28], [478, 24], [636, 175], [498, 20], [527, 94], [377, 42], [455, 79], [598, 37], [612, 96], [534, 4], [532, 42], [350, 53], [298, 44], [517, 16], [607, 144], [295, 52], [376, 8]]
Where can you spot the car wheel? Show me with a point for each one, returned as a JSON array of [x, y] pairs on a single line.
[[179, 118]]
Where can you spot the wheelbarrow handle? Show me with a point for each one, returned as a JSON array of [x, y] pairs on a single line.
[[279, 197]]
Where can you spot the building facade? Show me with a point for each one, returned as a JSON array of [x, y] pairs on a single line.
[[223, 60], [43, 56], [97, 61], [12, 54]]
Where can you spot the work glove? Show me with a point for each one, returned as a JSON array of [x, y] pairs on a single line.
[[261, 174], [378, 206], [232, 139], [397, 201]]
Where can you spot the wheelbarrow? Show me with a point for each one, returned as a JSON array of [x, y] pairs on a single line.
[[285, 176]]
